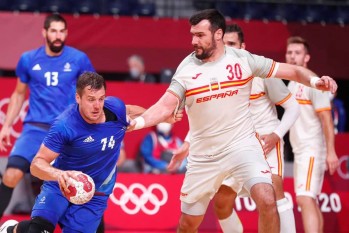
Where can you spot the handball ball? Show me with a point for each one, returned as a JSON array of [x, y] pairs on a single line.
[[83, 190]]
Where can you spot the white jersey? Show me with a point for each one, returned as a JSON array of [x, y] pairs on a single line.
[[216, 96], [306, 133], [265, 94]]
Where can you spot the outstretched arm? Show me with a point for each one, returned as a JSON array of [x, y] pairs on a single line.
[[134, 111], [165, 108], [305, 76]]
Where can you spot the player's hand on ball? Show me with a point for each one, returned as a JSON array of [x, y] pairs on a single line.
[[77, 187], [64, 179]]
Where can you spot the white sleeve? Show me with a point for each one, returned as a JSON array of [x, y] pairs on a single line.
[[292, 111]]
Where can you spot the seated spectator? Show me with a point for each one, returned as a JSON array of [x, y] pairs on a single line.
[[137, 71], [166, 75], [338, 113], [156, 149]]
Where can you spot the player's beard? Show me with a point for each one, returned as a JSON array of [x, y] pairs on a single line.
[[206, 53], [53, 48]]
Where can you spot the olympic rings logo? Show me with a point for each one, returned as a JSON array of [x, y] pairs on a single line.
[[131, 203], [342, 169], [21, 115]]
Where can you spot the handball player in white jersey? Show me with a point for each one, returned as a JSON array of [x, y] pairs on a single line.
[[214, 82], [312, 140], [265, 94]]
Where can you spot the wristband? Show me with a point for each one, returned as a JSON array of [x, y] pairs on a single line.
[[139, 123], [313, 81]]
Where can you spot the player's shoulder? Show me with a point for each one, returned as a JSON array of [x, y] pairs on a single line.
[[190, 59], [234, 52], [114, 100], [115, 104], [187, 63], [68, 115], [73, 51], [30, 54]]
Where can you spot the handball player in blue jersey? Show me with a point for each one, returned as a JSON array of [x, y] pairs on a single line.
[[86, 138], [50, 73]]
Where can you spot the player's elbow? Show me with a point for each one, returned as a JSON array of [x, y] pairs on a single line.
[[35, 167]]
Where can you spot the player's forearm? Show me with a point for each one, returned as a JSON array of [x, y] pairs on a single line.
[[305, 76], [134, 111], [159, 112], [14, 107], [156, 114], [295, 73], [43, 170], [292, 111], [328, 129]]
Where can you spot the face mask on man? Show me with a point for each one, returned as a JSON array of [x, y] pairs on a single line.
[[134, 73], [164, 128]]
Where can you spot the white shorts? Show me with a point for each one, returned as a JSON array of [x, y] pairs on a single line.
[[275, 159], [309, 170], [205, 174]]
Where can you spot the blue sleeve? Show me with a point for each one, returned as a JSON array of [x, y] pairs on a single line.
[[118, 107], [56, 138], [22, 68], [85, 64], [146, 150]]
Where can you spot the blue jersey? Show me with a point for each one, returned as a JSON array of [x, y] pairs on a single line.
[[90, 148], [51, 80]]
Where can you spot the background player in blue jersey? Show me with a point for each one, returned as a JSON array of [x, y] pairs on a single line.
[[50, 73], [86, 137]]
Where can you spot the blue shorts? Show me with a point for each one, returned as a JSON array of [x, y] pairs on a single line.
[[29, 142], [51, 205]]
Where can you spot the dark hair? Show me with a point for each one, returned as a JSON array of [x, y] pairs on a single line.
[[92, 79], [299, 40], [215, 18], [236, 28], [54, 18]]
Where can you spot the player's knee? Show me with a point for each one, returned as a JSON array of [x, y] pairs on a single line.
[[12, 177], [223, 205], [224, 198], [189, 223], [264, 197], [38, 224], [303, 201], [223, 212]]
